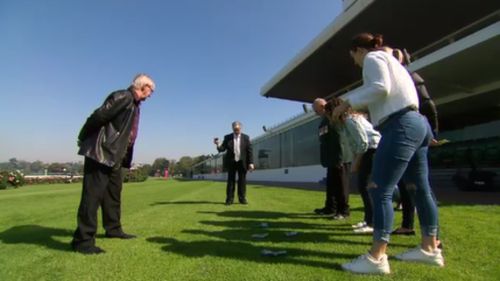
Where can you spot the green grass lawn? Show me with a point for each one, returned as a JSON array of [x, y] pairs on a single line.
[[186, 233]]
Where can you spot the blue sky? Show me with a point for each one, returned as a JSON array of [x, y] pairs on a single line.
[[209, 58]]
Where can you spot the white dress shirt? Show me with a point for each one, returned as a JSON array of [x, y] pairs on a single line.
[[236, 143], [387, 87]]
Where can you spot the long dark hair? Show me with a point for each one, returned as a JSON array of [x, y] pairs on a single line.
[[330, 106], [367, 41]]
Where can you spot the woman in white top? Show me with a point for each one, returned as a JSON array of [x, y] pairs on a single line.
[[390, 96]]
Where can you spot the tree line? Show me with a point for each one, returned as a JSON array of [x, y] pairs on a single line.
[[179, 168]]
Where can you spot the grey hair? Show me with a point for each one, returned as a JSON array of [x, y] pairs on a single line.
[[236, 123], [141, 80]]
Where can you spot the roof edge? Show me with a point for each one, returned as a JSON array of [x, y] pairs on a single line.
[[340, 21]]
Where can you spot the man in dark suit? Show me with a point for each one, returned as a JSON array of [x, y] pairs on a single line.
[[238, 158], [337, 173], [107, 141]]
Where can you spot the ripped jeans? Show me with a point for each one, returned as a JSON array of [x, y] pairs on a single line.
[[402, 153]]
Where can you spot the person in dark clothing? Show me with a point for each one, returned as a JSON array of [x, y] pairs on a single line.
[[428, 109], [238, 159], [390, 96], [107, 141], [337, 173]]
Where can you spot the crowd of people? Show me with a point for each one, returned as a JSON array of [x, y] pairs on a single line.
[[388, 152], [375, 131]]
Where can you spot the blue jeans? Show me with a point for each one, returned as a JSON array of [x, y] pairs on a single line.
[[402, 153]]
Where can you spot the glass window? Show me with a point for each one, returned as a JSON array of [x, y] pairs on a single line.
[[267, 153], [306, 144], [300, 145]]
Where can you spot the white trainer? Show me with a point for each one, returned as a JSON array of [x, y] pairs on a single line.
[[365, 229], [339, 217], [359, 224], [419, 255], [366, 264]]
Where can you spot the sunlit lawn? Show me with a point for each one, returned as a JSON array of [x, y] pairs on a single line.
[[186, 233]]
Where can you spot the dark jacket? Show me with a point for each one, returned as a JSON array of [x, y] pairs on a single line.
[[246, 152], [105, 136], [330, 147]]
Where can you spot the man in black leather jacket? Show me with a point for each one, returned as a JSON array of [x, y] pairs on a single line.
[[107, 142]]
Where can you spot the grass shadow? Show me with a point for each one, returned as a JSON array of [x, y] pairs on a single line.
[[255, 224], [234, 229], [279, 236], [36, 235], [275, 236], [187, 203], [261, 215], [247, 252]]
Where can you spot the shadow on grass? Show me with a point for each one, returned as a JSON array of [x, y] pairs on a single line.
[[305, 187], [186, 203], [247, 252], [247, 227], [185, 179], [278, 236], [36, 235], [255, 224], [261, 215]]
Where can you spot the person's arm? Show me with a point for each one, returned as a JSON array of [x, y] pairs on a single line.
[[113, 105], [223, 146], [251, 166], [127, 159], [427, 106], [376, 84], [429, 110]]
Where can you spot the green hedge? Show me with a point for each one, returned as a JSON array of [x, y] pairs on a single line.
[[11, 179], [52, 179], [136, 175]]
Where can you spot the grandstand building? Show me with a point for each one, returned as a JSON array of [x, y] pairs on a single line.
[[456, 49]]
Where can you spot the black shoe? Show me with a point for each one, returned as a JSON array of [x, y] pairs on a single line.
[[244, 202], [323, 211], [122, 235], [89, 250], [228, 203], [403, 231]]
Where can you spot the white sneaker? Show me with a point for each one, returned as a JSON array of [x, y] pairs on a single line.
[[419, 255], [339, 217], [368, 265], [364, 229], [359, 224]]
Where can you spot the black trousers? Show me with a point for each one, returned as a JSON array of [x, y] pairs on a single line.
[[337, 189], [233, 168], [102, 186], [364, 173], [408, 203], [407, 195]]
